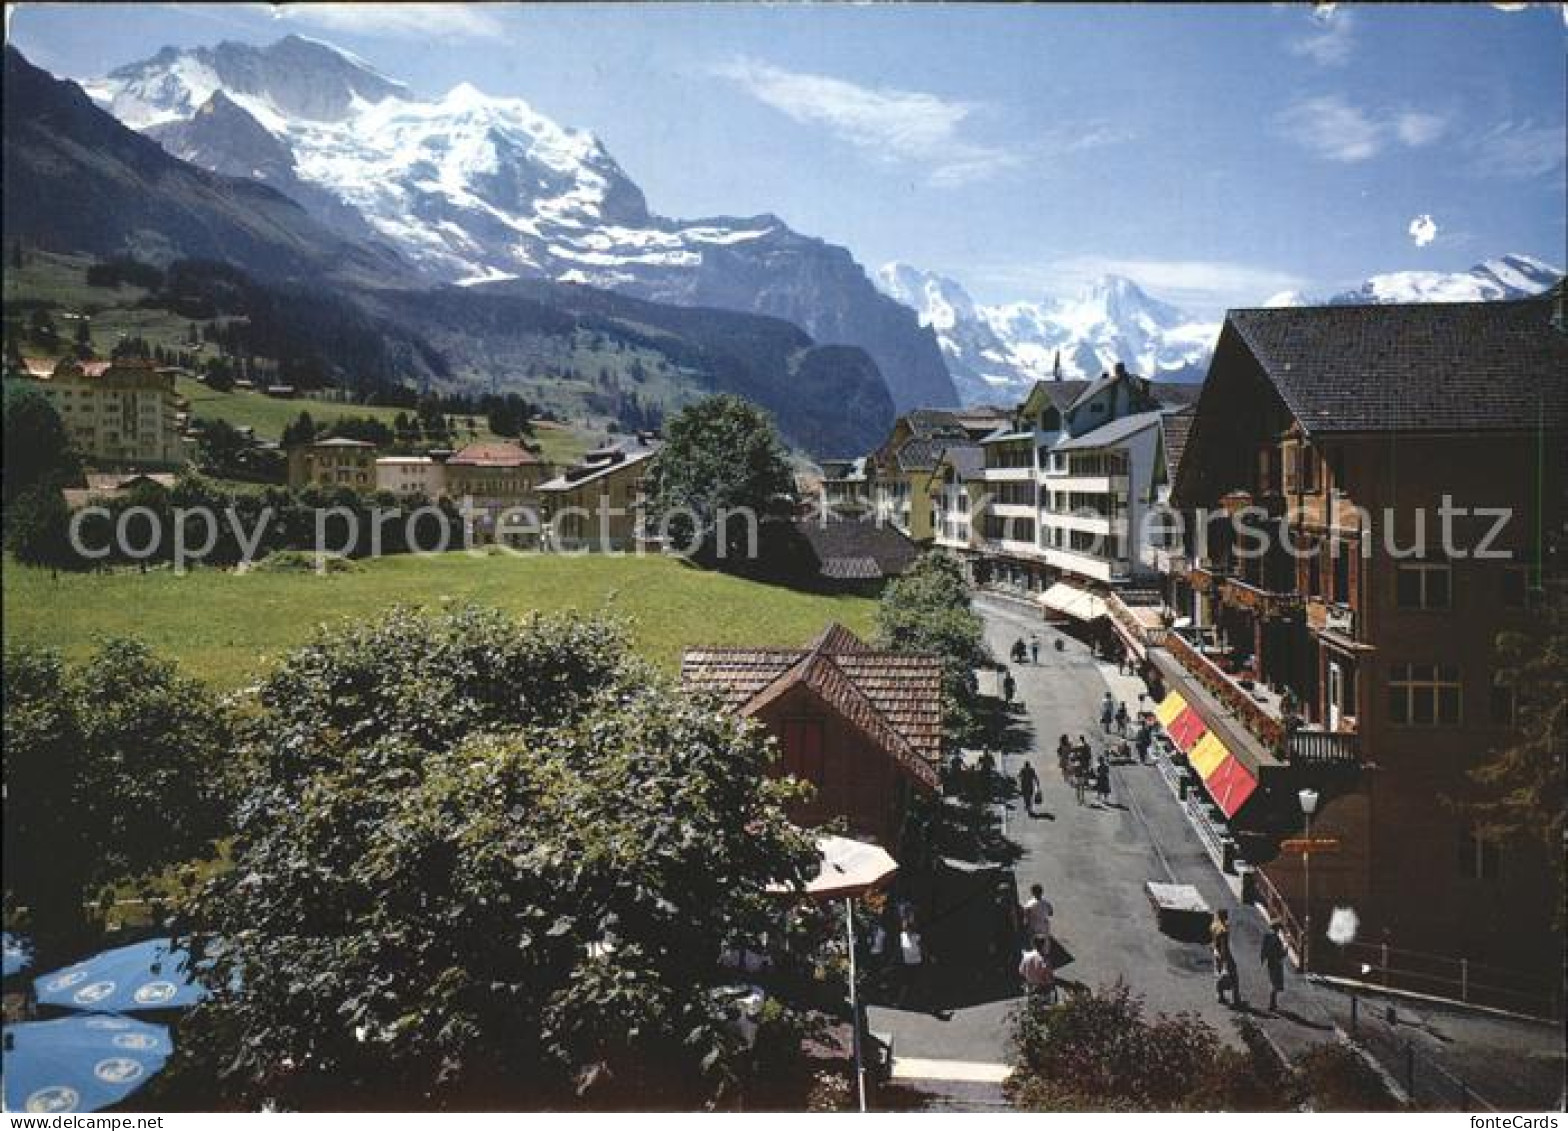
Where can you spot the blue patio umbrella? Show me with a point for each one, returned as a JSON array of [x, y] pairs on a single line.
[[155, 974], [83, 1063], [18, 954]]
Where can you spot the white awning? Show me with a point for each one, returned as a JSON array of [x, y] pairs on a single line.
[[1073, 601]]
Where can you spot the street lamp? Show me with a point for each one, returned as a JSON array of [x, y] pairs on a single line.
[[1309, 805]]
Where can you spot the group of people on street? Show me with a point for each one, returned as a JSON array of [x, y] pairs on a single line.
[[1114, 716], [1026, 653], [1227, 977], [1082, 770]]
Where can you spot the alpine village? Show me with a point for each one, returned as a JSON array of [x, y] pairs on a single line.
[[669, 669]]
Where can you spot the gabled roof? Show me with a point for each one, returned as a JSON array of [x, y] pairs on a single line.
[[1059, 393], [1428, 367], [1113, 433], [597, 465], [966, 459], [857, 549], [930, 421], [892, 698], [921, 453], [493, 453]]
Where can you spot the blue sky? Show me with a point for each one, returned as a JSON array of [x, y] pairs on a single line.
[[1217, 154]]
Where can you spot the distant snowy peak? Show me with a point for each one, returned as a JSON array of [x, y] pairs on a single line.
[[999, 351], [1506, 277]]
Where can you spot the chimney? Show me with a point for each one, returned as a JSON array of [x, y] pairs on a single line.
[[1121, 370]]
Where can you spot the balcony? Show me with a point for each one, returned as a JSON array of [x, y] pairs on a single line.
[[1260, 711], [1085, 565], [1330, 616], [1264, 602]]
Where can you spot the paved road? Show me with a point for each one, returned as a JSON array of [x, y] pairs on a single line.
[[1094, 861]]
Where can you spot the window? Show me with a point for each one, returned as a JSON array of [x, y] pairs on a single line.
[[1423, 694], [803, 757], [1479, 858], [1424, 585]]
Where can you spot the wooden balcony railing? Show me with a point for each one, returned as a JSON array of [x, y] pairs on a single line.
[[1267, 602], [1263, 726], [1312, 747]]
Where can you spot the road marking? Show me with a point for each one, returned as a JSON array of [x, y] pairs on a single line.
[[962, 1071]]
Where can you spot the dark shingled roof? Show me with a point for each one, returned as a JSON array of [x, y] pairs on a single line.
[[929, 421], [1177, 426], [1431, 367], [857, 549], [967, 459], [894, 698], [921, 453]]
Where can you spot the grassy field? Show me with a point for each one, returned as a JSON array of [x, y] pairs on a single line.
[[560, 443], [230, 628]]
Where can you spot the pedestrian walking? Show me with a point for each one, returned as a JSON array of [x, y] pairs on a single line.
[[1121, 718], [912, 963], [1034, 649], [1107, 712], [1029, 787], [1035, 914], [1144, 740], [1064, 758], [1102, 780], [1035, 971], [1225, 974], [1019, 652], [1009, 687], [1082, 764], [1274, 962]]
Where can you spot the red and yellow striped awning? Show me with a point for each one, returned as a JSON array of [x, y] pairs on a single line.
[[1228, 781]]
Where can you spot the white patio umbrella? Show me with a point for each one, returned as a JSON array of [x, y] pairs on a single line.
[[849, 868]]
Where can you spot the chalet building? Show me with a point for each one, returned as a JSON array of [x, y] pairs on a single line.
[[102, 486], [846, 486], [338, 462], [1362, 665], [500, 481], [901, 469], [124, 412], [598, 504], [863, 727]]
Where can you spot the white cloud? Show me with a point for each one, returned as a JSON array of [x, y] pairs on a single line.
[[1423, 230], [1333, 41], [1417, 127], [396, 21], [1518, 150], [1338, 130], [888, 125], [1332, 128], [1201, 285]]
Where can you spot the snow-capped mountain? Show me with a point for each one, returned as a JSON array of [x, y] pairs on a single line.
[[996, 352], [1508, 276], [472, 188]]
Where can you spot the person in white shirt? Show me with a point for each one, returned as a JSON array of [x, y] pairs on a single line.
[[1035, 970], [1037, 913]]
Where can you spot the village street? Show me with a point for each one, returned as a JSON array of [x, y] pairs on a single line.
[[1093, 862]]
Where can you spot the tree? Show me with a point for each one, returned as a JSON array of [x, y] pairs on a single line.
[[927, 610], [301, 431], [37, 447], [1523, 783], [720, 454], [112, 771], [483, 859]]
